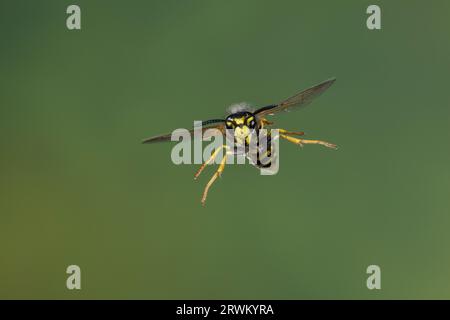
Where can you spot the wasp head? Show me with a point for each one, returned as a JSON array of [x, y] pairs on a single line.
[[242, 124]]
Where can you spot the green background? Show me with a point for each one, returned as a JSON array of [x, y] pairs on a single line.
[[77, 187]]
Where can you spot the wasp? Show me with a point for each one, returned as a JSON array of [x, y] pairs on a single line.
[[243, 122]]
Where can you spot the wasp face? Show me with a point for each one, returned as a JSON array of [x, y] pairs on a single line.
[[242, 124]]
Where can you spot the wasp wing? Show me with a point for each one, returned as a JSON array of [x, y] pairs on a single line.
[[205, 134], [299, 100]]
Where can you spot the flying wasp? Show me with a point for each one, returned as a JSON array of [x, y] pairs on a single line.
[[244, 122]]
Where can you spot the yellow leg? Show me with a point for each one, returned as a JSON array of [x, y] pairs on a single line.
[[213, 178], [291, 133], [213, 156], [264, 121], [301, 142]]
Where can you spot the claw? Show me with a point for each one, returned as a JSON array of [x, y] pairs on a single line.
[[330, 145]]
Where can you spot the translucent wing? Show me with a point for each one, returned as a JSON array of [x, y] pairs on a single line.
[[166, 137], [299, 100]]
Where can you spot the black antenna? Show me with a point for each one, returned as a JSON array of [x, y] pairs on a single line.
[[208, 122]]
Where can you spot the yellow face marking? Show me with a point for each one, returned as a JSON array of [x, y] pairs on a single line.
[[242, 134], [239, 120]]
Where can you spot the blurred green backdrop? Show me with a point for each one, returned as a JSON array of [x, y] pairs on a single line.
[[77, 187]]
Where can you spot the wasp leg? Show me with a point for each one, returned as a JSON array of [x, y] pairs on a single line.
[[264, 121], [291, 133], [211, 159], [301, 142], [213, 178]]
